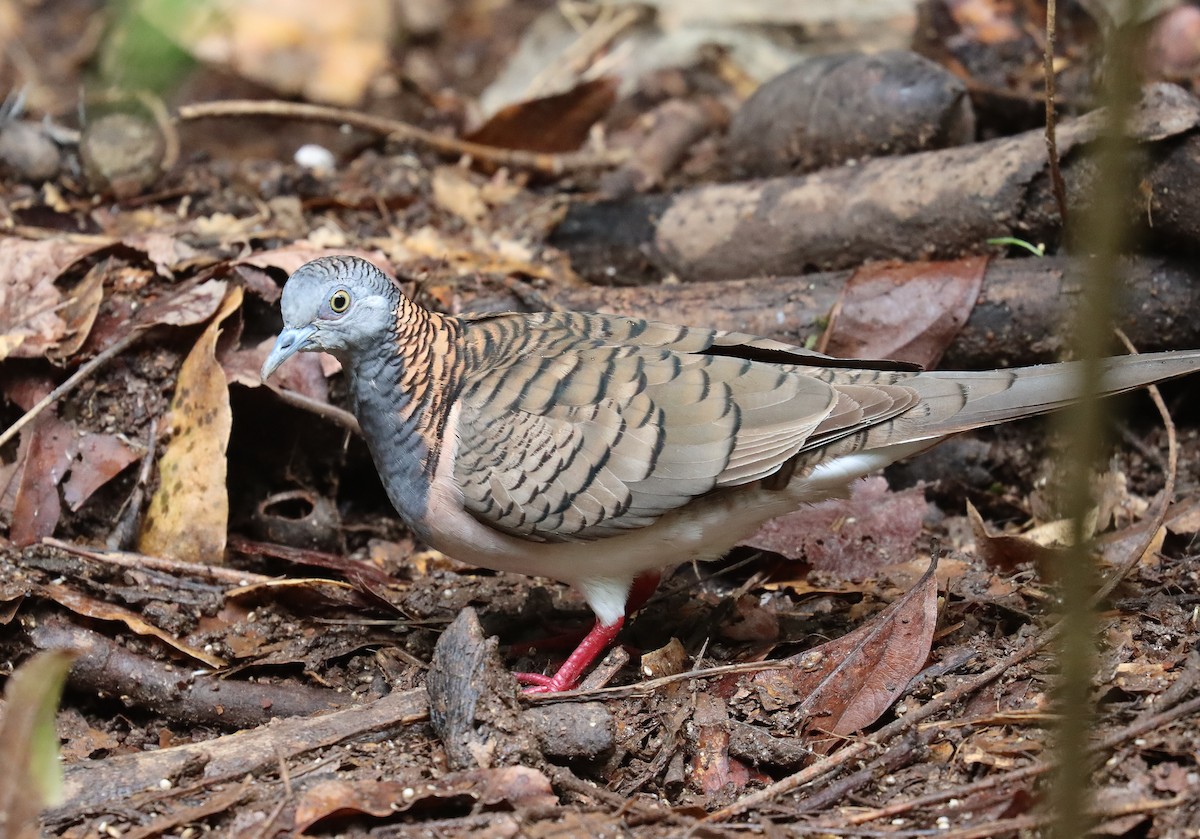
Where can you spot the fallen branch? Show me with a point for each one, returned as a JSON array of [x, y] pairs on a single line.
[[936, 204], [546, 164], [105, 667], [95, 785]]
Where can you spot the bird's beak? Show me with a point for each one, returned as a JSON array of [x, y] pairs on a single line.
[[289, 342]]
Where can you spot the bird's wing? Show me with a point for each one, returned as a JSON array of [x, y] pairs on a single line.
[[579, 427]]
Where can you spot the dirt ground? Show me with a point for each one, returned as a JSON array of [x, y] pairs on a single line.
[[261, 648]]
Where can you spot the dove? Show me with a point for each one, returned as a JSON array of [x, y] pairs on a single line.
[[598, 450]]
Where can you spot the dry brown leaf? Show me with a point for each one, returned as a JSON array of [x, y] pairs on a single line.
[[81, 604], [98, 458], [908, 312], [1007, 552], [850, 537], [515, 786], [455, 191], [189, 512], [325, 52], [43, 464], [79, 312], [30, 318], [165, 251], [846, 684], [558, 123]]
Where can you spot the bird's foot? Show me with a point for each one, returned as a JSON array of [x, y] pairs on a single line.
[[567, 676]]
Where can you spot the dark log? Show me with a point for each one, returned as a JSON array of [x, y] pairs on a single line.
[[829, 109], [1018, 318], [935, 204]]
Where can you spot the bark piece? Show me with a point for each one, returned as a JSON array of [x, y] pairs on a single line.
[[473, 702], [105, 667]]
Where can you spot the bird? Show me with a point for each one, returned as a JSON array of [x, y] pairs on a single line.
[[598, 450]]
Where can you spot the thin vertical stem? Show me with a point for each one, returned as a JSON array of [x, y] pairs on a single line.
[[1056, 178], [1104, 233]]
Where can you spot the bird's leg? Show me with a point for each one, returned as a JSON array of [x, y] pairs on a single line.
[[593, 644], [589, 649], [643, 588]]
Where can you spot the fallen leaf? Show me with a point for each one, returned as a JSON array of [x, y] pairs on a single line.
[[33, 778], [43, 464], [907, 312], [1042, 547], [558, 123], [850, 537], [189, 512], [79, 312], [845, 685], [97, 459], [186, 308], [30, 318], [321, 53], [513, 786], [165, 251], [81, 604], [456, 192]]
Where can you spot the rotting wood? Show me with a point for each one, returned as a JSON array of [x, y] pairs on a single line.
[[935, 204]]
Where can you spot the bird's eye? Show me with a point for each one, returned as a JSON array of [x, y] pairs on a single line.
[[340, 301]]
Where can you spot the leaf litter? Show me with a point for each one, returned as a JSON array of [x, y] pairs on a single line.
[[838, 646]]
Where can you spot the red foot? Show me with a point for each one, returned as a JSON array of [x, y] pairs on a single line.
[[593, 644], [589, 649]]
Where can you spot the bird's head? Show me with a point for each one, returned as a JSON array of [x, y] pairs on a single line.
[[336, 304]]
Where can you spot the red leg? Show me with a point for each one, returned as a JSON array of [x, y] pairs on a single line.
[[589, 649], [644, 586], [593, 644]]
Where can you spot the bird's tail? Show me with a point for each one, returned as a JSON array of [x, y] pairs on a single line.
[[958, 401]]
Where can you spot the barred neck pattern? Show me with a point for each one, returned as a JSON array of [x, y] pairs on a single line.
[[403, 389]]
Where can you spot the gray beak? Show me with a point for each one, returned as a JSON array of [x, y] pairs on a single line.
[[289, 342]]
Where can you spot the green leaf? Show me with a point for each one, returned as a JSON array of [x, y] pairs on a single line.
[[33, 779]]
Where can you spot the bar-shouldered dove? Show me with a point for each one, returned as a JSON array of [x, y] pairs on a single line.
[[597, 449]]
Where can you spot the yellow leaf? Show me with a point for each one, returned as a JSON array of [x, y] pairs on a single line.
[[189, 513]]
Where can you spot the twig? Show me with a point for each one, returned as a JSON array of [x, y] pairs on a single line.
[[338, 416], [543, 163], [125, 559], [1138, 727], [1056, 178], [648, 687], [830, 763], [1168, 491], [73, 381]]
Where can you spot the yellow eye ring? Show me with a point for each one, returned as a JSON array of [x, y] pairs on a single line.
[[340, 301]]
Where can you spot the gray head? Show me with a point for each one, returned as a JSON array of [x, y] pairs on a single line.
[[336, 304]]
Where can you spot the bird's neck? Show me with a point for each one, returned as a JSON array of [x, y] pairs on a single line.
[[402, 390]]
